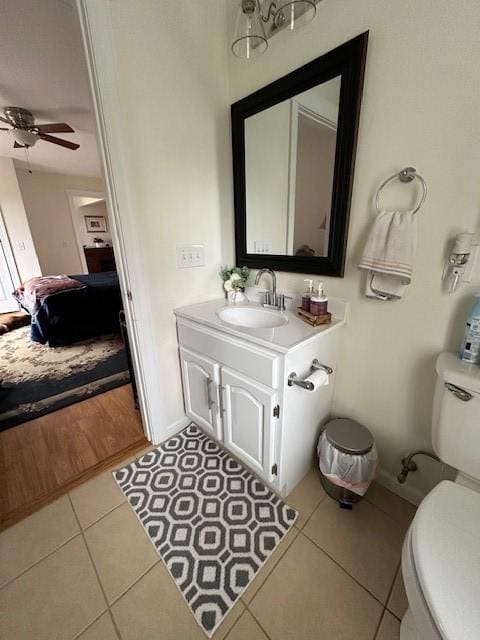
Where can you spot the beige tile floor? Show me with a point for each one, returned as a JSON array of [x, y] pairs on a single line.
[[83, 568]]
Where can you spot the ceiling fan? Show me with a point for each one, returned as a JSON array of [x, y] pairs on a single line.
[[26, 133]]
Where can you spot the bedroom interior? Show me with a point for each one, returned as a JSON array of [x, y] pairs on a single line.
[[67, 405]]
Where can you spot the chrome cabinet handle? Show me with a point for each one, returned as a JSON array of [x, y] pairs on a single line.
[[222, 408], [209, 394], [459, 393], [281, 301]]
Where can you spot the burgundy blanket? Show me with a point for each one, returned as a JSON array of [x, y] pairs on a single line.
[[33, 292]]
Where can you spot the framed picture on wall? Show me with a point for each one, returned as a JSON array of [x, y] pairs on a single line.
[[95, 224]]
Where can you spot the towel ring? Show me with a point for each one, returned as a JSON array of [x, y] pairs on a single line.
[[406, 175]]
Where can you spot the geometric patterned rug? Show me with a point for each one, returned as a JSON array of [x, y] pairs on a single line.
[[213, 523]]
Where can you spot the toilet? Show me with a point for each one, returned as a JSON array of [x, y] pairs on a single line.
[[441, 551]]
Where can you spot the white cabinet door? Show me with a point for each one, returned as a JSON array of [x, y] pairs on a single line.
[[248, 421], [200, 383]]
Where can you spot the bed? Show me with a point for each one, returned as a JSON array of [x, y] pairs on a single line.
[[76, 314]]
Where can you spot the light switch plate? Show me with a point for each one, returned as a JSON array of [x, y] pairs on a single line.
[[190, 255]]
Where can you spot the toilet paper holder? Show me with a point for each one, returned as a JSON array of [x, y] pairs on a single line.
[[304, 383]]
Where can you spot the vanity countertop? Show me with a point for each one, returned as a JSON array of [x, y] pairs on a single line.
[[283, 339]]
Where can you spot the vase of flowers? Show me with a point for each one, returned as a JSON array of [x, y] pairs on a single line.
[[234, 282]]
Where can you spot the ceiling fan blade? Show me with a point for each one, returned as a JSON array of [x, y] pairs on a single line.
[[4, 129], [59, 141], [55, 127], [5, 120]]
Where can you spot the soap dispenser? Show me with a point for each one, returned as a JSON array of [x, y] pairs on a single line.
[[319, 302], [307, 294]]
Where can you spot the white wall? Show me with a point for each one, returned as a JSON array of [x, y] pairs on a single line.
[[421, 106], [16, 223], [46, 203], [173, 104]]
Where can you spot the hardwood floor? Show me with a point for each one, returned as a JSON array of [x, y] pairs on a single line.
[[44, 458]]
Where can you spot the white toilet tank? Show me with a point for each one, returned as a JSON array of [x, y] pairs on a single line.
[[456, 414]]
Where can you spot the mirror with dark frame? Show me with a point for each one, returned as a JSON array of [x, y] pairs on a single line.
[[293, 159]]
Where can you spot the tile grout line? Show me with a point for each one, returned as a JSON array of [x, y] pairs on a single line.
[[397, 572], [379, 624], [313, 511], [385, 608], [34, 564], [142, 575], [107, 513], [273, 567], [258, 622], [343, 569], [410, 504], [225, 637], [90, 624], [385, 512], [96, 574], [394, 614], [399, 565], [117, 598]]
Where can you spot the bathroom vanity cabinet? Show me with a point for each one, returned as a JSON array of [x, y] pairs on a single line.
[[235, 386]]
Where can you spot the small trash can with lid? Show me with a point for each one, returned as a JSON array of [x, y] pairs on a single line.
[[348, 460]]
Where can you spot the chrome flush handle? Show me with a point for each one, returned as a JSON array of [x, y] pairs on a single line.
[[459, 393]]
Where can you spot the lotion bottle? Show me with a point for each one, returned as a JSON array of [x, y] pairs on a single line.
[[470, 350], [307, 294], [319, 302]]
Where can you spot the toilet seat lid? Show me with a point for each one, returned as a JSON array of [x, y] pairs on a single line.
[[446, 552]]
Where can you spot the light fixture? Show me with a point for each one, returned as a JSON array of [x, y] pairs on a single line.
[[293, 14], [24, 138], [250, 40], [251, 37]]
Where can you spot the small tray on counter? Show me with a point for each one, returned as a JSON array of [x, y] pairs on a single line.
[[315, 321]]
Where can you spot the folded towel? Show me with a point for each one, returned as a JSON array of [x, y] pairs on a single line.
[[389, 253]]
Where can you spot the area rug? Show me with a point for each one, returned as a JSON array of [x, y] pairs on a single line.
[[213, 523], [37, 379]]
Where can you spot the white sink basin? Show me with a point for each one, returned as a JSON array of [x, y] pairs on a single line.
[[252, 317]]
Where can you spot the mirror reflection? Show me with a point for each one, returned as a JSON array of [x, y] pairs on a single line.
[[289, 168]]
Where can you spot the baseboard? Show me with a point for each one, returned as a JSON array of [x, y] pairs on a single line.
[[409, 493], [177, 426]]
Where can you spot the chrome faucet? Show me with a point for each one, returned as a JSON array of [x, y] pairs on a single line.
[[271, 296], [272, 299]]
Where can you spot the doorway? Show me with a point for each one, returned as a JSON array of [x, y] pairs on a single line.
[[66, 404]]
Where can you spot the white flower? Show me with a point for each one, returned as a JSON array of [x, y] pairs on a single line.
[[235, 276], [227, 285]]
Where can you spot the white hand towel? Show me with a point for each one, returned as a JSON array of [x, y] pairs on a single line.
[[389, 254]]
